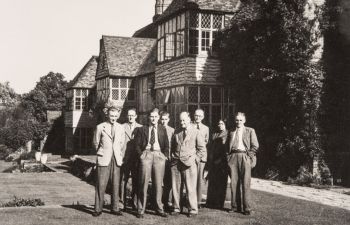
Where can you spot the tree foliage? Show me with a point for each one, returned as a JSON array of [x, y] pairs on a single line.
[[267, 57], [8, 96], [53, 86]]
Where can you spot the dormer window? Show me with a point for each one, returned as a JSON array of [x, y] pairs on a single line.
[[171, 41], [81, 99], [202, 31]]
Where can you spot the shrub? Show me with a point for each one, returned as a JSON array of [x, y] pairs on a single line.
[[5, 152], [304, 177], [19, 202]]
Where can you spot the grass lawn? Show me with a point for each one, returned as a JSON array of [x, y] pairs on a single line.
[[268, 209]]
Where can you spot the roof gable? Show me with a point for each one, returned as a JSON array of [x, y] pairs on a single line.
[[86, 77], [216, 5], [129, 57]]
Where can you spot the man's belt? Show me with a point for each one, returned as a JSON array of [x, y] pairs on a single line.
[[238, 151]]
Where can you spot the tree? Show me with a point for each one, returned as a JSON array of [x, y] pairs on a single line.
[[53, 86], [267, 56], [8, 96]]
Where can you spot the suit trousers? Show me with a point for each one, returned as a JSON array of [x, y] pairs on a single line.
[[240, 172], [167, 191], [200, 181], [152, 165], [129, 168], [104, 174], [187, 175]]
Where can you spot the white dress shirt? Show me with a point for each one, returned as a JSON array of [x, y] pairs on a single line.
[[156, 146]]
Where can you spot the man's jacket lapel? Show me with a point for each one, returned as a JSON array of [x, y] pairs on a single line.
[[107, 132]]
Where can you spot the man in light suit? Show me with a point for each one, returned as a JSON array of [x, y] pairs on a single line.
[[109, 141], [188, 147], [167, 193], [204, 131], [152, 146], [243, 145], [130, 166]]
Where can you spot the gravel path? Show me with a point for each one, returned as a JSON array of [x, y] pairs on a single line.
[[326, 197]]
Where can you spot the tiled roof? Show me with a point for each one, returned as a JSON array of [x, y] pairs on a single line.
[[149, 31], [129, 57], [86, 77], [217, 5]]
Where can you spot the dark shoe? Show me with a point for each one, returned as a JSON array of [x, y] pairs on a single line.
[[191, 215], [162, 214], [174, 213], [117, 213], [247, 212], [96, 214], [140, 216], [233, 209]]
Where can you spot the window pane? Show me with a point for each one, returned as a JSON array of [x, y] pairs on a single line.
[[193, 42], [123, 83], [123, 94], [216, 95], [204, 95], [162, 50], [115, 83], [159, 32], [194, 20], [174, 25], [115, 94], [170, 46], [193, 94], [84, 93], [183, 21], [205, 22], [166, 27], [205, 41], [178, 24], [78, 93], [180, 43], [78, 103], [217, 21], [84, 104]]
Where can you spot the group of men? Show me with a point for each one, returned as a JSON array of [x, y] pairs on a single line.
[[173, 160]]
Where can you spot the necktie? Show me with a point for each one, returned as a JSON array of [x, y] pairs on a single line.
[[153, 138], [198, 126], [184, 134], [113, 131]]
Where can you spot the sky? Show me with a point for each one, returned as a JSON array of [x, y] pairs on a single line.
[[39, 36]]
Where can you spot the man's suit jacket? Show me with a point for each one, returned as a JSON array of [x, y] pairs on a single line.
[[204, 131], [105, 146], [250, 142], [189, 149], [141, 139], [130, 151]]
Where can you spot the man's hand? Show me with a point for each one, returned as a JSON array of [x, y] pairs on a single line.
[[251, 154]]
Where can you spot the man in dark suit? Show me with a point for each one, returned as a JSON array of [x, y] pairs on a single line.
[[109, 141], [167, 193], [152, 146], [187, 148], [243, 145], [130, 166]]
